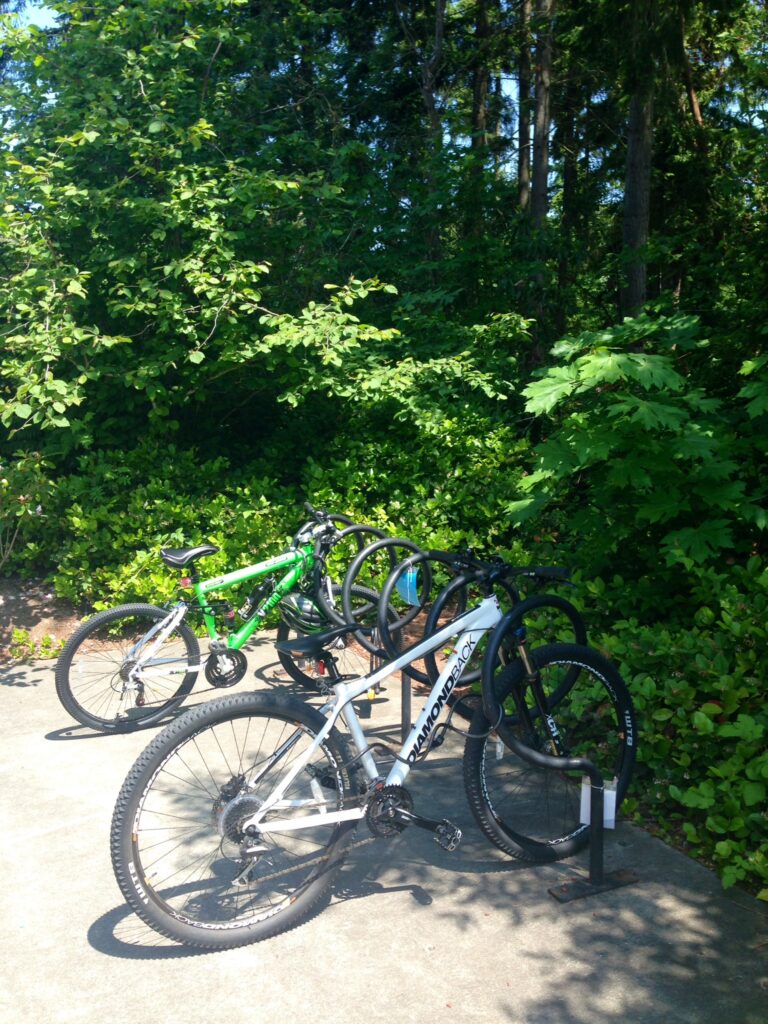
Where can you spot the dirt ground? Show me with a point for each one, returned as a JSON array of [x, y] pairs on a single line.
[[31, 605]]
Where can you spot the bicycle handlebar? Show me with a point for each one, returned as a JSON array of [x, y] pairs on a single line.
[[321, 527], [497, 569]]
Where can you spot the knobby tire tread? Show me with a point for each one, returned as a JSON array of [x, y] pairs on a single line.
[[141, 774], [86, 630]]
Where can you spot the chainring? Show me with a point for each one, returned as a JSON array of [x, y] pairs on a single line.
[[226, 668], [380, 805]]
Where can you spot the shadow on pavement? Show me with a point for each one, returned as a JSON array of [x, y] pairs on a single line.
[[19, 676]]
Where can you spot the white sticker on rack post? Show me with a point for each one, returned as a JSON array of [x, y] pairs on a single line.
[[609, 803]]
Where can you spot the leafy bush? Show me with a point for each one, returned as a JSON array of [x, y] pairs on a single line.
[[700, 694], [24, 493], [639, 468]]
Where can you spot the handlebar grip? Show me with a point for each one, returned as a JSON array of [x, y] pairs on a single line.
[[549, 572]]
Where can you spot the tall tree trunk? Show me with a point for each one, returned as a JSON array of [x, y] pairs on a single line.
[[637, 194], [480, 78], [524, 109], [569, 152], [539, 190], [479, 123], [430, 69]]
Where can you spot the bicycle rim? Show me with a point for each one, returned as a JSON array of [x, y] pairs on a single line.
[[535, 813], [181, 855]]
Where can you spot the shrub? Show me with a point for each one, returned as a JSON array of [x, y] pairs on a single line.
[[700, 694]]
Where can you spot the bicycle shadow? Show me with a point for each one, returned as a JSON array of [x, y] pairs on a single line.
[[120, 934]]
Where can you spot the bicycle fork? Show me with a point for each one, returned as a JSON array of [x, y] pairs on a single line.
[[533, 682]]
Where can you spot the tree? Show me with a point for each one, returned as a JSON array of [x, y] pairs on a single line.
[[540, 176]]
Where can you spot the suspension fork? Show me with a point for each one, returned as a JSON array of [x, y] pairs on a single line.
[[532, 682]]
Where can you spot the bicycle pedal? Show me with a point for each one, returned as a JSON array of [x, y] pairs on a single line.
[[448, 836]]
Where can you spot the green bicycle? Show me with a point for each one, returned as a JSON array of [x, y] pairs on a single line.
[[134, 664]]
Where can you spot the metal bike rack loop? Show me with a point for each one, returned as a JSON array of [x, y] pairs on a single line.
[[598, 880]]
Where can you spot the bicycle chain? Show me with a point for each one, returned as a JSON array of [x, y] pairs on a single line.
[[317, 860], [321, 857]]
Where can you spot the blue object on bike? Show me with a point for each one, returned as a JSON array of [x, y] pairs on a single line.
[[407, 586]]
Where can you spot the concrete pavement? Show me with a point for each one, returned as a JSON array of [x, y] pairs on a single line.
[[411, 932]]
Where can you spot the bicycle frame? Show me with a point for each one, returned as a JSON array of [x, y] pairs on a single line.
[[470, 627], [296, 560]]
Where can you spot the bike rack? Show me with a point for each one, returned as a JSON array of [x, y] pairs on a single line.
[[598, 880]]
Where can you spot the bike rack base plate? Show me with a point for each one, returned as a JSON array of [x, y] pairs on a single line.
[[580, 888]]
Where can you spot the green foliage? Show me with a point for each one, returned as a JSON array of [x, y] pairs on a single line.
[[24, 495], [756, 391], [107, 521], [638, 458], [23, 648], [700, 695]]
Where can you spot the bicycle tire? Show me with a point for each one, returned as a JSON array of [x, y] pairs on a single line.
[[90, 671], [532, 813], [177, 843], [352, 659]]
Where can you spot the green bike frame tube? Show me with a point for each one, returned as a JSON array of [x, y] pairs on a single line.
[[297, 561]]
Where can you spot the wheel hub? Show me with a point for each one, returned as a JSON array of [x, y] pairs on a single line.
[[230, 816]]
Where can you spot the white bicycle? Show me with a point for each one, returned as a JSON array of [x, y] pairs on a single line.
[[234, 822]]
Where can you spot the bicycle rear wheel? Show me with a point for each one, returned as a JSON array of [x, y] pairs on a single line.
[[92, 672], [352, 659], [533, 813], [180, 852]]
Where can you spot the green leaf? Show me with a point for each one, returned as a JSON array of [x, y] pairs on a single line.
[[23, 411], [75, 288], [543, 395], [702, 723], [754, 793], [744, 728], [196, 356]]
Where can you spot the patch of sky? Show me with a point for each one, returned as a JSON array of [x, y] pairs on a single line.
[[38, 14]]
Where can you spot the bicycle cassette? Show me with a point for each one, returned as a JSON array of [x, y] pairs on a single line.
[[225, 668], [381, 806]]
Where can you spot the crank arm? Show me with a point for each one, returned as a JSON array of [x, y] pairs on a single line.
[[446, 833]]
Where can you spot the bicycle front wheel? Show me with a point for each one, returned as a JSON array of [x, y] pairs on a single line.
[[533, 813], [95, 674], [183, 853]]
